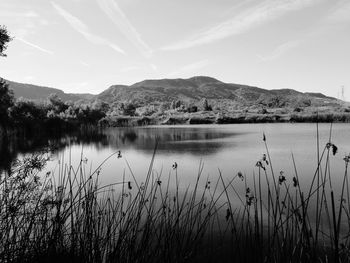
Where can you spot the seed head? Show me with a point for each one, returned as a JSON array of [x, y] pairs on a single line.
[[281, 179], [295, 182], [250, 200], [347, 159], [334, 149], [174, 165], [260, 165], [240, 175]]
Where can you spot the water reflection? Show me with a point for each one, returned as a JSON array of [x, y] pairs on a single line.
[[190, 140], [187, 140], [20, 144]]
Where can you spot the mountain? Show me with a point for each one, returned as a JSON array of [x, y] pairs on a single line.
[[39, 93], [196, 88], [186, 90]]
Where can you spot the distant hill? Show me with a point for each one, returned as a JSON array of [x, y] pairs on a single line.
[[186, 90], [196, 88], [39, 93]]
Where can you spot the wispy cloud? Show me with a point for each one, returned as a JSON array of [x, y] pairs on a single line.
[[81, 28], [190, 68], [118, 17], [341, 13], [22, 20], [85, 64], [244, 21], [280, 50], [130, 68], [35, 46]]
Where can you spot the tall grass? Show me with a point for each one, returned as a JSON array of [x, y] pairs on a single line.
[[265, 217]]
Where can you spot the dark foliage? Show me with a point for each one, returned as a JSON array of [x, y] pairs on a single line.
[[4, 39], [6, 101]]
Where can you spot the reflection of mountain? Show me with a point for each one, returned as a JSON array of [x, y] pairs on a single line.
[[190, 140]]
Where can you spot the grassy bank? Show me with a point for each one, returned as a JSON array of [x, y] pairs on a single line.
[[177, 118], [69, 216]]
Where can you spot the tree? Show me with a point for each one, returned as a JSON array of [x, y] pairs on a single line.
[[26, 113], [4, 39], [57, 104], [100, 106], [128, 109], [6, 101], [6, 95], [205, 105]]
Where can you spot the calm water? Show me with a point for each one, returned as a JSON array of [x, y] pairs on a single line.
[[230, 148]]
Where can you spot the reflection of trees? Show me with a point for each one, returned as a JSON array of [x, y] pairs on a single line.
[[189, 140], [6, 155], [18, 144]]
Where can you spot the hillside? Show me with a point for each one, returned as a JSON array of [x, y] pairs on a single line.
[[196, 88], [37, 93], [186, 90]]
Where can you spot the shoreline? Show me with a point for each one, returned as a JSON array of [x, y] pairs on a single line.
[[217, 118]]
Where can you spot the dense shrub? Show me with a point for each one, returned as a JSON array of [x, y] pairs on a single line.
[[6, 101]]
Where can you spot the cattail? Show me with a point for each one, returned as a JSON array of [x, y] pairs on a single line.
[[260, 165], [281, 179], [295, 182], [207, 185], [334, 149], [250, 200], [175, 165]]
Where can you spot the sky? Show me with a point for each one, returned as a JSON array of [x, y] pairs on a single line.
[[84, 46]]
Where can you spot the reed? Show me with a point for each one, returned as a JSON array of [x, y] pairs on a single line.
[[268, 217]]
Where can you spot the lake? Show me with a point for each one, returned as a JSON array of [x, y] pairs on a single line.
[[228, 148]]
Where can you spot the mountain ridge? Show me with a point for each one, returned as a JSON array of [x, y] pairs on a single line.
[[199, 87], [187, 90], [39, 93]]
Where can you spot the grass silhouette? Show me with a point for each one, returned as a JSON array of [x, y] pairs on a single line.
[[70, 217]]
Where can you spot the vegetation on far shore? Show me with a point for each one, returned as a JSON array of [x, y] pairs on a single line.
[[55, 114]]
